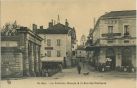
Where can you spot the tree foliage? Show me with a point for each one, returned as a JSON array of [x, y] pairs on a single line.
[[9, 29]]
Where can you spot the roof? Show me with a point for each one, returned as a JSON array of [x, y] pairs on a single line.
[[120, 13], [56, 29], [115, 14]]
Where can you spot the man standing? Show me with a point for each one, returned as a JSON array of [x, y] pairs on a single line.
[[79, 68], [60, 67]]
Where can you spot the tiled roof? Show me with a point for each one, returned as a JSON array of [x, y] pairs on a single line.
[[120, 13], [56, 29]]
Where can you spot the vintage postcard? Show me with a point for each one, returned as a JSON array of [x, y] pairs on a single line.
[[68, 43]]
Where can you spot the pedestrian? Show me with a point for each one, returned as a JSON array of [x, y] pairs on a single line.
[[79, 68], [60, 67]]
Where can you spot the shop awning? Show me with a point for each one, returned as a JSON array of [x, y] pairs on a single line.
[[52, 59]]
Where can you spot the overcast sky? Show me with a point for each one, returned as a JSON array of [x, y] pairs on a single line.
[[80, 13]]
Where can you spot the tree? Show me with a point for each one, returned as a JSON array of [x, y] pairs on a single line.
[[9, 29]]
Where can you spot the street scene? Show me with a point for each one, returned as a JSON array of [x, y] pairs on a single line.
[[69, 78], [70, 44]]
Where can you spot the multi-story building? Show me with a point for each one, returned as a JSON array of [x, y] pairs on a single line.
[[59, 40], [81, 54], [113, 39], [20, 53]]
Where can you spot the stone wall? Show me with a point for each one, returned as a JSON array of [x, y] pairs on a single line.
[[11, 65]]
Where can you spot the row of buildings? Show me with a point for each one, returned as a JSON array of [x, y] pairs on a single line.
[[113, 39], [26, 52]]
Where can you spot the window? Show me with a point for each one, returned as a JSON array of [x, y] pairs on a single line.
[[48, 42], [126, 41], [48, 53], [58, 42], [110, 29], [110, 41], [126, 29], [58, 53]]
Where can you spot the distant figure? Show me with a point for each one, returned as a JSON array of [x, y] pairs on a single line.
[[60, 67], [79, 68]]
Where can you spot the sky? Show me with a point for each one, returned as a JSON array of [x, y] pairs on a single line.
[[79, 13]]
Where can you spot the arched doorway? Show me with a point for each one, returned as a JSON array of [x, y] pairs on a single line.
[[110, 53], [126, 57]]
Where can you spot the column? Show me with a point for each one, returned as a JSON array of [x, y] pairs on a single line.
[[30, 56], [26, 59]]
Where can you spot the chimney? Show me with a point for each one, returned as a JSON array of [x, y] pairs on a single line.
[[41, 27], [66, 23], [51, 23], [34, 27]]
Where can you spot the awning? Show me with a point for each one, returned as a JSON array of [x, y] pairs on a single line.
[[52, 59]]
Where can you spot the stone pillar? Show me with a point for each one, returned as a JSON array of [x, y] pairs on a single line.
[[30, 56], [39, 61], [25, 59], [32, 59], [35, 58]]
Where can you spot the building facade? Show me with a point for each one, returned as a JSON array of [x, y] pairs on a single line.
[[58, 43], [113, 40], [81, 54], [20, 53]]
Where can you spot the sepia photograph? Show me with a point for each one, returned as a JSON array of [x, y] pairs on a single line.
[[68, 44]]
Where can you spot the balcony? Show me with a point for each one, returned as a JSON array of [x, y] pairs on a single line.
[[126, 35], [118, 42], [111, 35]]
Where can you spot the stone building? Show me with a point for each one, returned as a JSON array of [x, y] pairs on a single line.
[[81, 54], [57, 46], [20, 53], [114, 39]]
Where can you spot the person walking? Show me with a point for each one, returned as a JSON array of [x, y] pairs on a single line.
[[79, 68], [60, 67]]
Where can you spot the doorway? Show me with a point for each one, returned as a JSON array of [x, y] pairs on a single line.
[[110, 53], [126, 57]]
